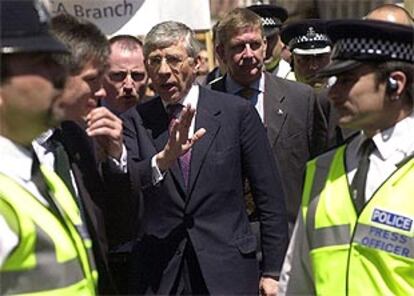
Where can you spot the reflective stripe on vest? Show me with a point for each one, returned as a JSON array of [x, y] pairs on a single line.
[[372, 254], [65, 200], [50, 257]]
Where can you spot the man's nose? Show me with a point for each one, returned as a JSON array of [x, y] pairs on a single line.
[[248, 51], [128, 81], [313, 64], [100, 93], [164, 67]]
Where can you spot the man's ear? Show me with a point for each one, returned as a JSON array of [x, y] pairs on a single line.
[[401, 79], [197, 62], [264, 47]]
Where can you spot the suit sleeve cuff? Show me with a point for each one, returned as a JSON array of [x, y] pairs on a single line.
[[272, 275], [120, 164], [157, 175]]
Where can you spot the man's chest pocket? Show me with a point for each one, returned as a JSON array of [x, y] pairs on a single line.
[[220, 166]]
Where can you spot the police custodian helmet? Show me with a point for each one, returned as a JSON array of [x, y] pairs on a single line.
[[24, 28], [360, 41], [307, 37], [272, 17]]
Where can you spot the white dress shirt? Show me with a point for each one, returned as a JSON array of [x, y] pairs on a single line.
[[393, 145]]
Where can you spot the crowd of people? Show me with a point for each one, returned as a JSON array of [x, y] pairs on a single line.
[[129, 168]]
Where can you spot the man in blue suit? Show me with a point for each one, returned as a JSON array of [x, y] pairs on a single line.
[[192, 164]]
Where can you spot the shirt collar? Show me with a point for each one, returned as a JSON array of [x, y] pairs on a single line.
[[395, 139], [233, 87], [44, 137], [16, 160]]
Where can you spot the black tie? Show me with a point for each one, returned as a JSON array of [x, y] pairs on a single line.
[[360, 179], [246, 93], [39, 181], [62, 164]]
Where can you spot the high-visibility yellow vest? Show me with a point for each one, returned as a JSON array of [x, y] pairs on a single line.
[[369, 254], [53, 256]]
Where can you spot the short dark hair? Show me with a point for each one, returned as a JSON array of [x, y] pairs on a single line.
[[84, 40]]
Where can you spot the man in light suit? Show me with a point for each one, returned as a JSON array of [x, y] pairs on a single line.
[[197, 238], [295, 126]]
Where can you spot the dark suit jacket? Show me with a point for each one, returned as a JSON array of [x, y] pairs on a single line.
[[108, 207], [211, 212], [296, 130]]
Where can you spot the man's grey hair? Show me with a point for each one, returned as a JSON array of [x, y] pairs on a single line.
[[169, 33]]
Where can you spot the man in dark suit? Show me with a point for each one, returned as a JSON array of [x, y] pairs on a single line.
[[197, 238], [106, 207], [295, 126]]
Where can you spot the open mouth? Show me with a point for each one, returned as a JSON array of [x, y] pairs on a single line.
[[168, 86]]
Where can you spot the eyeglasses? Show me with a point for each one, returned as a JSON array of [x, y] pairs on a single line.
[[173, 61], [119, 76]]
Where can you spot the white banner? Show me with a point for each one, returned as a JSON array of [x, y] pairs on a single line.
[[135, 17]]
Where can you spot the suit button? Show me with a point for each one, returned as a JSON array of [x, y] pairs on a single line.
[[188, 222]]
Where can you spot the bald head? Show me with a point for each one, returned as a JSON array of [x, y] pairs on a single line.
[[391, 13]]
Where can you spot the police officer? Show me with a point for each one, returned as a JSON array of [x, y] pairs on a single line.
[[354, 233], [277, 54], [311, 49], [42, 247]]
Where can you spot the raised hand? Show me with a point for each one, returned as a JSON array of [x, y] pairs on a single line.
[[106, 128], [178, 141]]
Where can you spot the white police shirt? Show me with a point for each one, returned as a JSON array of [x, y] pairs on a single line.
[[392, 146], [16, 162]]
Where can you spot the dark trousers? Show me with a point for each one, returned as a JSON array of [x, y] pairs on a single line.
[[190, 280]]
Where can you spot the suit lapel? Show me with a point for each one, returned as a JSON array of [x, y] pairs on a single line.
[[275, 113], [219, 84], [206, 117]]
